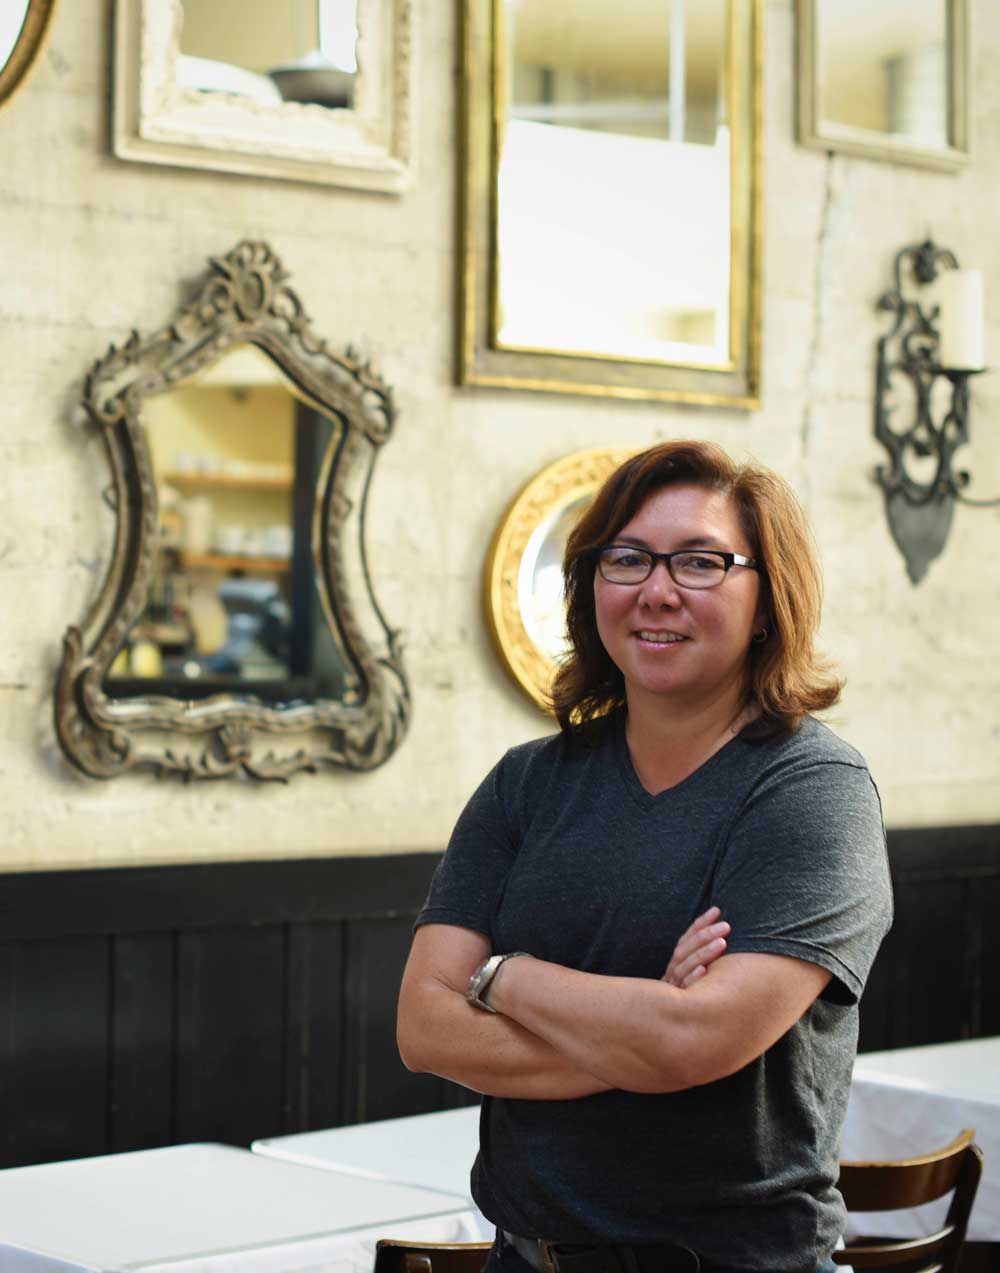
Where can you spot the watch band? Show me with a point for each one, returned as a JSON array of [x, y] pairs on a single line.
[[479, 982]]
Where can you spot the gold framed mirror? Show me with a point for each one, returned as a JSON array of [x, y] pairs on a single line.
[[24, 25], [237, 612], [582, 271], [887, 81], [524, 583]]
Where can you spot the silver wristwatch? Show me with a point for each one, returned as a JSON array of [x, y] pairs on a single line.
[[479, 982]]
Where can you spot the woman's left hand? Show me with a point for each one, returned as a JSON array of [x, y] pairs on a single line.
[[698, 947]]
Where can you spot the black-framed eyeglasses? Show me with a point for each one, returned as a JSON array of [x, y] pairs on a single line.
[[689, 567]]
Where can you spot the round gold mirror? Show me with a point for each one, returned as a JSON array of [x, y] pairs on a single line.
[[24, 25], [524, 585]]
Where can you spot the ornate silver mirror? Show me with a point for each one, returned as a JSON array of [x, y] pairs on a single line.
[[611, 168], [308, 90], [24, 25], [237, 613], [887, 80]]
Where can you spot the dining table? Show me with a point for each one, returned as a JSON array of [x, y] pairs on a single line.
[[902, 1102], [910, 1101], [210, 1208], [428, 1151]]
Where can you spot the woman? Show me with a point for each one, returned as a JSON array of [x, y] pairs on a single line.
[[632, 1121]]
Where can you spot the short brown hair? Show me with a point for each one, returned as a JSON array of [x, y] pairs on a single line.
[[786, 677]]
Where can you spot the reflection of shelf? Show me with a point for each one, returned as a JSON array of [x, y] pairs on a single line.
[[230, 481], [161, 633], [227, 561]]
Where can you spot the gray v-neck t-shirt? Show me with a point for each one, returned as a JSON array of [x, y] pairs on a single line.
[[562, 853]]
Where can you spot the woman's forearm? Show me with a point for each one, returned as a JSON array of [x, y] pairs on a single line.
[[647, 1036], [440, 1032], [614, 1027]]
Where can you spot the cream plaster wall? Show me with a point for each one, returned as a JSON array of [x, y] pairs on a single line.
[[92, 247]]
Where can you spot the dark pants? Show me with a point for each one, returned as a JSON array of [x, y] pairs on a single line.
[[504, 1259]]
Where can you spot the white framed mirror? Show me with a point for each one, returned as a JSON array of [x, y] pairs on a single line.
[[611, 172], [888, 81], [313, 90]]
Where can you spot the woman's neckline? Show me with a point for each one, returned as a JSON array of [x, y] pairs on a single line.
[[631, 771]]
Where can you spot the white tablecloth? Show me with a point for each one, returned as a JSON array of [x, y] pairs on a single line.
[[903, 1102], [210, 1209], [433, 1151], [913, 1100]]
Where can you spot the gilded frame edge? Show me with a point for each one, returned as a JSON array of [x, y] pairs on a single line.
[[879, 146], [243, 298], [481, 365], [388, 168], [28, 46], [558, 484]]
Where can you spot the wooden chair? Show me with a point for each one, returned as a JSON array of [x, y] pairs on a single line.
[[911, 1182], [398, 1256]]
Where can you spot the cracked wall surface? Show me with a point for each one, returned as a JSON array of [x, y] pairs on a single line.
[[93, 247]]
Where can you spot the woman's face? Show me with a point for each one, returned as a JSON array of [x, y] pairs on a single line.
[[688, 644]]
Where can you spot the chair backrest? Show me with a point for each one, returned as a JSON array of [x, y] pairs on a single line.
[[398, 1256], [911, 1182]]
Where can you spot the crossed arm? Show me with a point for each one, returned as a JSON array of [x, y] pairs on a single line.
[[561, 1034]]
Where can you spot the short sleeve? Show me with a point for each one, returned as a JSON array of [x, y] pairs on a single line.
[[469, 881], [805, 873]]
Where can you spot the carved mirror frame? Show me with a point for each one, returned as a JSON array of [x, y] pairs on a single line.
[[482, 360], [368, 147], [243, 299], [538, 506], [27, 48]]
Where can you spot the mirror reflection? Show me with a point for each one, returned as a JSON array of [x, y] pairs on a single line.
[[540, 593], [301, 51], [525, 600], [12, 15], [233, 603], [614, 181], [884, 68]]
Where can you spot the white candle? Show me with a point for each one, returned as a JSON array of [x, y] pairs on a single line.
[[960, 320]]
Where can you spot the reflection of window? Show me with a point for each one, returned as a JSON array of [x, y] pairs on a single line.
[[541, 591], [545, 622], [648, 218], [338, 33], [11, 20]]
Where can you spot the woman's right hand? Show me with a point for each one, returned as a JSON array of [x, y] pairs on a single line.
[[698, 947]]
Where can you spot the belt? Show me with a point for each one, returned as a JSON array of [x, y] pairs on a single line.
[[567, 1257]]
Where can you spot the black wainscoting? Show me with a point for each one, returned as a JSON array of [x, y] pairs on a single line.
[[157, 1005], [160, 1005], [937, 976]]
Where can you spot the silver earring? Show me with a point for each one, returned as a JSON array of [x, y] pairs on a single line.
[[760, 637]]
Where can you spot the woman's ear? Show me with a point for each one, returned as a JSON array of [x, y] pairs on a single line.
[[763, 616]]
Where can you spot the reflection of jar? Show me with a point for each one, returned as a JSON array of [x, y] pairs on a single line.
[[198, 524], [146, 659], [171, 512], [208, 618]]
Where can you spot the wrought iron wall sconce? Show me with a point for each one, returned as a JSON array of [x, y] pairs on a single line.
[[939, 342]]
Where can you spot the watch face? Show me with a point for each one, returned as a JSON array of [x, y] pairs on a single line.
[[480, 980]]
